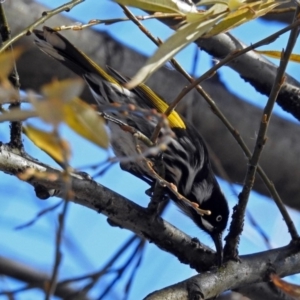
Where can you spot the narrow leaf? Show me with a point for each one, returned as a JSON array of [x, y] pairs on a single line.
[[277, 54], [64, 90], [48, 142], [7, 60], [245, 13], [17, 115], [56, 93], [86, 122], [164, 6], [179, 40]]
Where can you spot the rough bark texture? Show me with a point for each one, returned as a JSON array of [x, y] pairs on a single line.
[[123, 213]]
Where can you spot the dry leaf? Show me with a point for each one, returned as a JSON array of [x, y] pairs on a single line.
[[277, 54], [51, 109], [290, 289], [49, 143], [86, 122]]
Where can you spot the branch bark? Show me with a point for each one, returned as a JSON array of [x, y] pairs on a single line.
[[251, 269], [123, 213]]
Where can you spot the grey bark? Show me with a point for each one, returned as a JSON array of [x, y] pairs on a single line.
[[123, 213]]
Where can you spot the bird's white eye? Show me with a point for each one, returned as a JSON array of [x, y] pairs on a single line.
[[219, 218]]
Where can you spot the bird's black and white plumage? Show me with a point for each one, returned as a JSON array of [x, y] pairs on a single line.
[[186, 158]]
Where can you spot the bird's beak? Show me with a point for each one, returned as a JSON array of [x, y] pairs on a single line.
[[217, 238]]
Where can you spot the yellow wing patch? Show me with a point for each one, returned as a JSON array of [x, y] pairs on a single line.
[[161, 106]]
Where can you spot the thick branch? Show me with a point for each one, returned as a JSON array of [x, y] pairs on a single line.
[[253, 268], [121, 212], [256, 70], [126, 214]]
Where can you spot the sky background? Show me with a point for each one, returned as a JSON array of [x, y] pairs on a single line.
[[88, 241]]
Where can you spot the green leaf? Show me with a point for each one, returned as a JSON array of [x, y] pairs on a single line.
[[179, 40], [164, 6], [243, 14]]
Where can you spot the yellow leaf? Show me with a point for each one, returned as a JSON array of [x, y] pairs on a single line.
[[7, 60], [212, 2], [64, 90], [17, 115], [179, 40], [267, 6], [8, 94], [56, 93], [245, 13], [218, 9], [49, 143], [49, 111], [164, 6], [86, 122], [235, 4], [197, 17], [233, 19], [277, 54]]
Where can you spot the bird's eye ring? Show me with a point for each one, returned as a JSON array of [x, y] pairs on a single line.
[[219, 218]]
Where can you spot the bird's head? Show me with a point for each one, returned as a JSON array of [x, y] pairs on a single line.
[[215, 223]]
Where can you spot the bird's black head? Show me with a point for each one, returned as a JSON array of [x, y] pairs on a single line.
[[215, 223]]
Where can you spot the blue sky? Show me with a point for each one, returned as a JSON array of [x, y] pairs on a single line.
[[88, 240]]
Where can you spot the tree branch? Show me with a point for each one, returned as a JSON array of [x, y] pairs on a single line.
[[34, 278], [252, 268], [123, 213]]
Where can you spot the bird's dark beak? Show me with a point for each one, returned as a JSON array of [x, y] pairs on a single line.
[[217, 238]]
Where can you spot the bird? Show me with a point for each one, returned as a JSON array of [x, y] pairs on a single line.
[[186, 159]]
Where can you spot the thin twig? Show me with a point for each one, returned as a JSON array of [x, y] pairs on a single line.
[[45, 16], [219, 167], [120, 271], [108, 265], [157, 42], [38, 216], [236, 226], [58, 254], [172, 188], [151, 149], [94, 22], [211, 71], [281, 10], [61, 217], [15, 127], [10, 293], [225, 61], [135, 269], [107, 269]]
